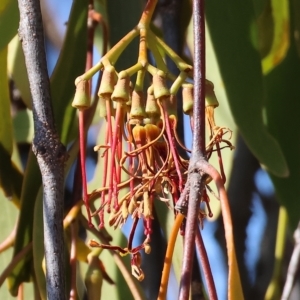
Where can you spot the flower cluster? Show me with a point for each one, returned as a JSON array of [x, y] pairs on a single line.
[[141, 147]]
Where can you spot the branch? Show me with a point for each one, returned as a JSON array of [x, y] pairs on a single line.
[[293, 266], [206, 266], [195, 179], [50, 153]]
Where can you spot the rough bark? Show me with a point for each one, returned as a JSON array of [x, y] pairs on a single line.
[[50, 153]]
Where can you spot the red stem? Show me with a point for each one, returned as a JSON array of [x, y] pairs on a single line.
[[82, 143], [172, 146], [131, 235], [114, 174], [206, 266]]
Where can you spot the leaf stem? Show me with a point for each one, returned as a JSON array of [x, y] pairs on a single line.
[[235, 291], [180, 63], [206, 266], [168, 257], [82, 141]]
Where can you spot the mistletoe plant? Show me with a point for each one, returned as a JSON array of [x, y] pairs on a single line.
[[141, 145]]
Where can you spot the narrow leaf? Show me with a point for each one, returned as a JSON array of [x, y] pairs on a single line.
[[70, 64], [281, 40], [6, 137], [230, 27], [9, 21], [283, 109]]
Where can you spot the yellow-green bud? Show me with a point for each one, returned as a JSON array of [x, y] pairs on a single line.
[[187, 98], [122, 89], [137, 105], [210, 96], [152, 108], [160, 86], [108, 81], [82, 99]]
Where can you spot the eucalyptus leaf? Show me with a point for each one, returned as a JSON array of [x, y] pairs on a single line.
[[240, 65], [23, 126], [70, 64], [281, 40], [9, 21], [120, 24], [6, 137], [32, 181], [283, 109], [17, 70], [7, 224]]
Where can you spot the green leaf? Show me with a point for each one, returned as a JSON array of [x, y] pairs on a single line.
[[9, 21], [230, 25], [31, 185], [70, 64], [120, 24], [6, 137], [38, 245], [7, 224], [283, 110], [281, 40], [23, 126], [17, 70]]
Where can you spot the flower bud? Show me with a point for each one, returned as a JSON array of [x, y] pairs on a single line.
[[122, 88], [137, 110], [160, 86], [108, 82], [152, 108], [82, 98], [187, 98], [210, 97]]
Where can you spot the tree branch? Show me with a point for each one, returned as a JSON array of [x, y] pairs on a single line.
[[195, 179], [50, 153]]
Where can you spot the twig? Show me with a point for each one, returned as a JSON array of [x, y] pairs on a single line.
[[293, 266], [195, 178], [206, 267], [234, 284], [50, 153]]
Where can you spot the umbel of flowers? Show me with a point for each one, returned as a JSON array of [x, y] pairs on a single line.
[[140, 151]]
